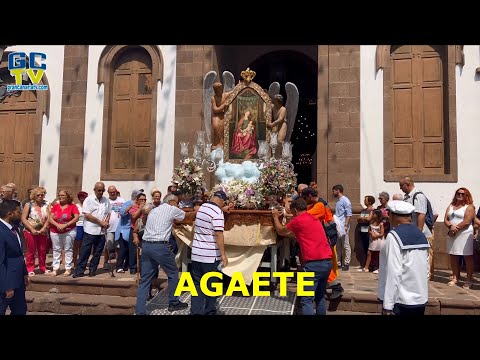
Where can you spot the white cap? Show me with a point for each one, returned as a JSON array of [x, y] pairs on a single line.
[[400, 207]]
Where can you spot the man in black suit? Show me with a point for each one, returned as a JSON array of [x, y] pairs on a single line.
[[13, 272]]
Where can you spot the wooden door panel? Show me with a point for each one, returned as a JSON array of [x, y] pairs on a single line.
[[122, 123], [402, 71], [433, 112], [142, 130], [433, 155], [403, 126], [403, 156], [121, 158], [142, 155]]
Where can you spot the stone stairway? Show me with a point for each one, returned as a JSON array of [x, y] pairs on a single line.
[[99, 295]]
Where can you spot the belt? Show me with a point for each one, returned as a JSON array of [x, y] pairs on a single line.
[[329, 259], [155, 242]]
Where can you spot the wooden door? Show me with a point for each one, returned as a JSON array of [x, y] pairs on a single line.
[[418, 109], [130, 149], [18, 121]]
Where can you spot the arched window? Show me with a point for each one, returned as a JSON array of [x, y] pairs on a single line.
[[419, 112], [130, 74]]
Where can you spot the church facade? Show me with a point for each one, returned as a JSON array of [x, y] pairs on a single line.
[[368, 115]]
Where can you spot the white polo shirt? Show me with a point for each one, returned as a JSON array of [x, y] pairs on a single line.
[[98, 208]]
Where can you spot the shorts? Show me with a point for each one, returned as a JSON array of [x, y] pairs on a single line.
[[79, 236]]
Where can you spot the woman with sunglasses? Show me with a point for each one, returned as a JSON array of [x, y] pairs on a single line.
[[458, 219], [35, 220]]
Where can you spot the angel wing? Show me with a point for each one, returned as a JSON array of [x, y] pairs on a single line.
[[208, 92], [228, 81], [274, 89], [292, 107]]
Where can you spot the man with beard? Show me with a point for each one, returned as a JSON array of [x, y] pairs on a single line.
[[13, 271]]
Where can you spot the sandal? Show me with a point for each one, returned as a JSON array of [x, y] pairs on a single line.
[[67, 272], [51, 273], [452, 283], [467, 285]]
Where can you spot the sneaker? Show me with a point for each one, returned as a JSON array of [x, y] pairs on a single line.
[[375, 272], [121, 271], [92, 273], [133, 271], [346, 267], [337, 291], [178, 306], [106, 266]]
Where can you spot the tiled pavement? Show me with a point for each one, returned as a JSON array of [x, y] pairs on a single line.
[[360, 297], [232, 305]]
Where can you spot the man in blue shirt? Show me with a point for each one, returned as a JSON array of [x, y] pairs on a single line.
[[343, 211]]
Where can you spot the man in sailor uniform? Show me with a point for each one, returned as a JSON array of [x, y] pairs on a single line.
[[403, 281]]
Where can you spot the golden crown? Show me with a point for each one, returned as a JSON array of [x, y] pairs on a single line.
[[248, 75]]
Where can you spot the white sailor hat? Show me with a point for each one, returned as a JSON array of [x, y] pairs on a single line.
[[400, 207]]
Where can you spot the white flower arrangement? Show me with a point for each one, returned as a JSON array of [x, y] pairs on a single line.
[[243, 194], [188, 176]]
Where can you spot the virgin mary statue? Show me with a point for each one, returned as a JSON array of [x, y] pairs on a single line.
[[244, 142]]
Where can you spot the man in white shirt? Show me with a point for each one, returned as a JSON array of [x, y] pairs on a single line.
[[403, 282], [116, 203], [96, 209], [419, 200], [208, 250]]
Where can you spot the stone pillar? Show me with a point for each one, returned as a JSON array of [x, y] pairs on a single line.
[[72, 127], [193, 62], [344, 121]]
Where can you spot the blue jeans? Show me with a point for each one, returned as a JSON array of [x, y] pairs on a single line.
[[321, 269], [152, 256], [203, 304]]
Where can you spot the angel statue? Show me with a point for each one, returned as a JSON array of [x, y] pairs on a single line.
[[283, 117], [214, 96]]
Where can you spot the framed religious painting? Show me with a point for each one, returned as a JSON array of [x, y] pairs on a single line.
[[246, 118]]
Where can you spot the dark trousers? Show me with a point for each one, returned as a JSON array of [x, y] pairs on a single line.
[[203, 304], [17, 303], [132, 253], [154, 255], [399, 309], [89, 241], [123, 258], [365, 240], [173, 244]]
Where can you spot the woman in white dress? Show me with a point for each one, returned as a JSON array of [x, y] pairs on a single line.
[[458, 219]]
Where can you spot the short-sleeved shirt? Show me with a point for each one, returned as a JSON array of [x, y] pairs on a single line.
[[132, 211], [319, 211], [97, 208], [343, 209], [63, 216], [209, 219], [309, 232], [115, 213], [160, 221], [420, 208]]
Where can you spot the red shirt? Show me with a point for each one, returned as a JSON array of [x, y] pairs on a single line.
[[63, 216], [311, 237]]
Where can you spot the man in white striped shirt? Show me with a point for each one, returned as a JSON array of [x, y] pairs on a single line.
[[207, 251], [156, 251]]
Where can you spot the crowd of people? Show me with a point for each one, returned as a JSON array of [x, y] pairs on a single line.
[[398, 232]]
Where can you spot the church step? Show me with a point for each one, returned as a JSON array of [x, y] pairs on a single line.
[[86, 285], [79, 304]]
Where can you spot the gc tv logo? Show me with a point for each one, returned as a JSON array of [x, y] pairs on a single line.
[[17, 64]]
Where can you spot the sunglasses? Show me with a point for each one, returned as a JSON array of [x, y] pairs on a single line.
[[460, 193]]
